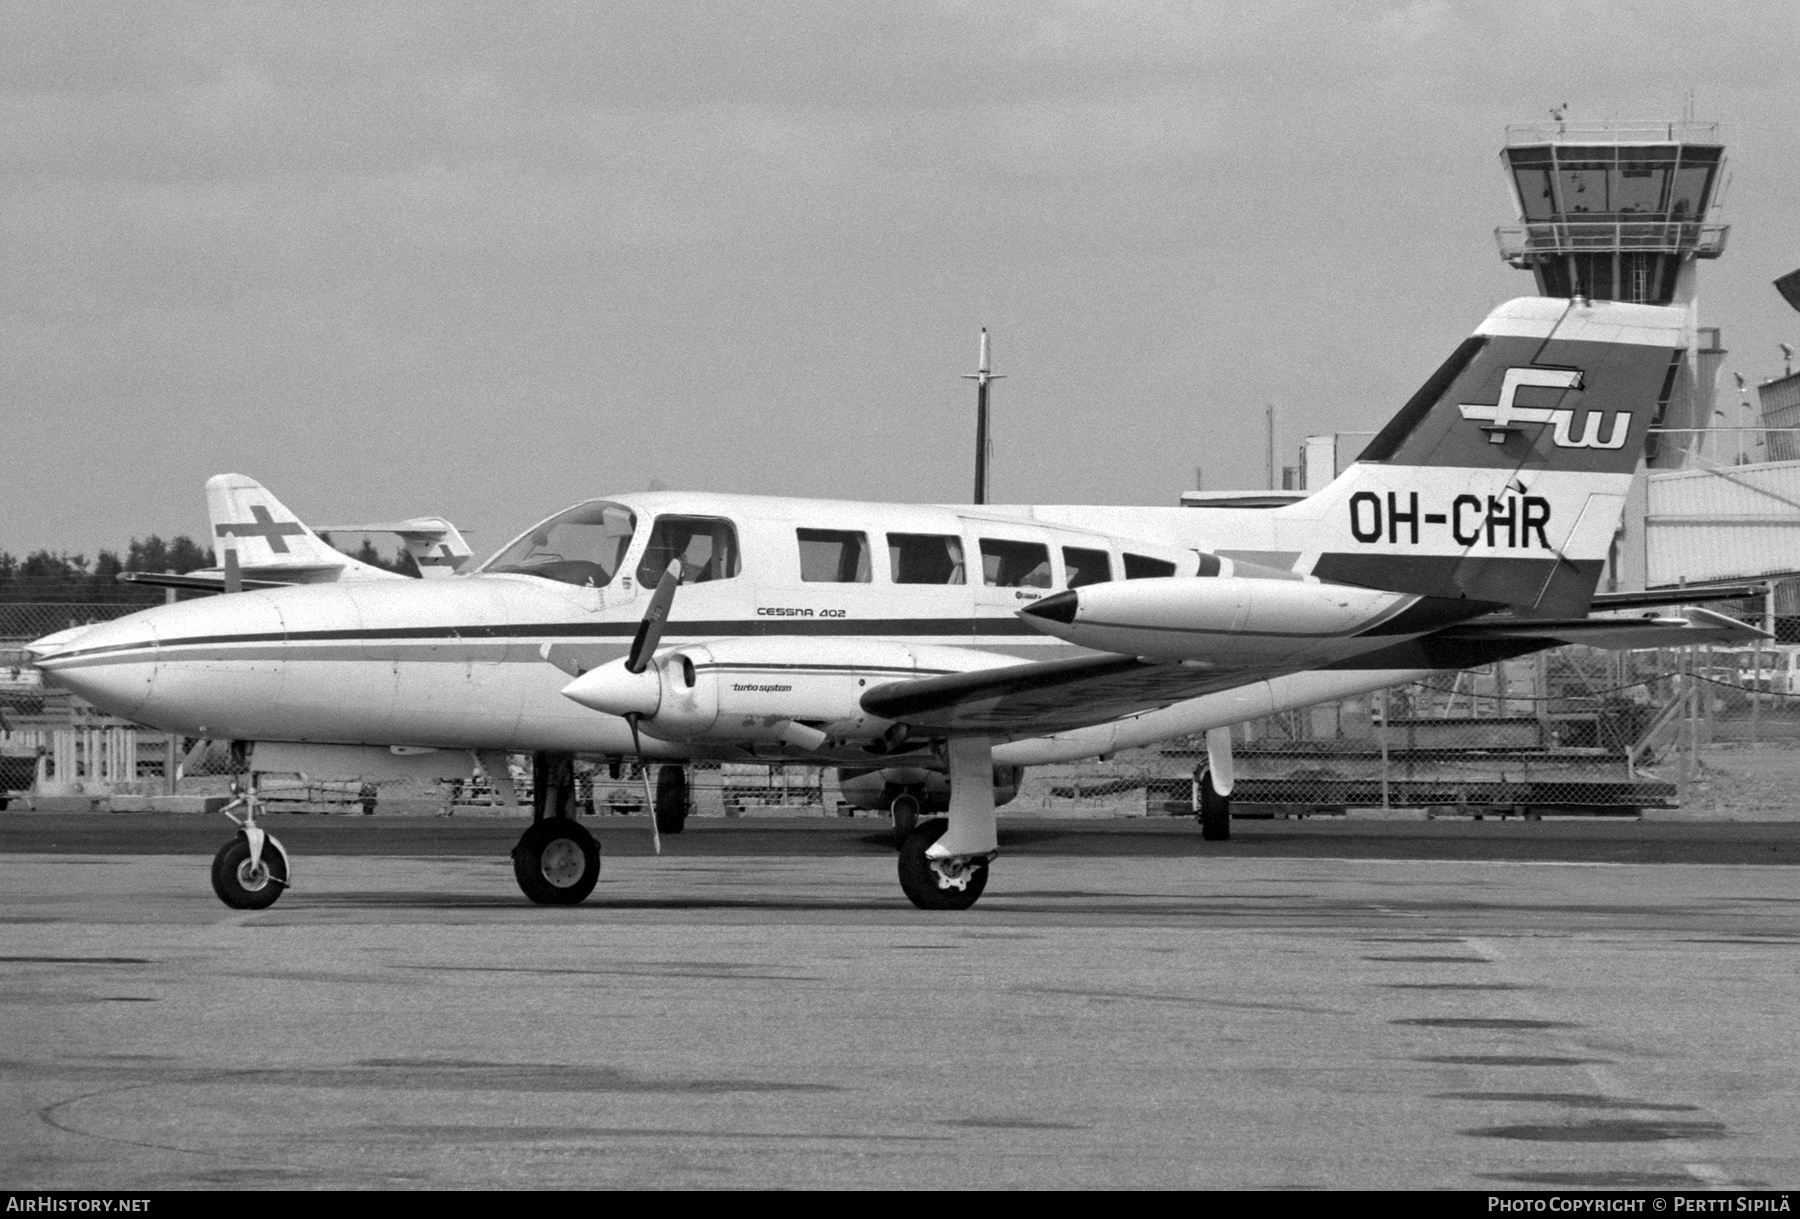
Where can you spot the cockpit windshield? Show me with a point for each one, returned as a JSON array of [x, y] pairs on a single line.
[[583, 546]]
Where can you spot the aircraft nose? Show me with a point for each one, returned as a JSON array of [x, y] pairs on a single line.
[[110, 664]]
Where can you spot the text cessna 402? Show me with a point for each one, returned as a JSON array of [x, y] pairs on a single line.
[[958, 642]]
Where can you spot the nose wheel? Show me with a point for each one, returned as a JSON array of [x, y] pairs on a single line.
[[251, 871], [557, 862], [244, 883]]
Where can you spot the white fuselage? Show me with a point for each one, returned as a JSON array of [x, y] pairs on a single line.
[[460, 663]]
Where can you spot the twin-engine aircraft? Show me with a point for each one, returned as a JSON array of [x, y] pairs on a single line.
[[908, 641]]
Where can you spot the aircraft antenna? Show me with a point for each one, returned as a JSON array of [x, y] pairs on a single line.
[[981, 376]]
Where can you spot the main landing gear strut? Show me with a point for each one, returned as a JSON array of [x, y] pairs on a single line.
[[1216, 782], [556, 861], [944, 862]]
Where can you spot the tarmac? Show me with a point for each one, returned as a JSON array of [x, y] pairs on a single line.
[[1466, 1005]]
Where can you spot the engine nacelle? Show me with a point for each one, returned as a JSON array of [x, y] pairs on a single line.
[[797, 691]]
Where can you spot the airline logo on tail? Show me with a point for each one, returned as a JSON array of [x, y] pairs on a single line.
[[1502, 417]]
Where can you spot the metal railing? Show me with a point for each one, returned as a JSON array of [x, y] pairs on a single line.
[[1523, 242], [1602, 132]]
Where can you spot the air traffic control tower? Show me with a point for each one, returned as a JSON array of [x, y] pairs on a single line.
[[1619, 212], [1622, 212]]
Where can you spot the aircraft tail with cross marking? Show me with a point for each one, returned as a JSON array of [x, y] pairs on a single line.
[[271, 543], [260, 544]]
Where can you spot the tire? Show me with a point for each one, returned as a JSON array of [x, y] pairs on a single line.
[[671, 800], [557, 862], [906, 817], [239, 887], [919, 881], [1215, 812]]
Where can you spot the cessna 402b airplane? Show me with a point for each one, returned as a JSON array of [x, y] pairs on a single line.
[[958, 641]]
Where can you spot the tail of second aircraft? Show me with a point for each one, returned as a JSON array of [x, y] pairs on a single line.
[[255, 532], [1503, 480]]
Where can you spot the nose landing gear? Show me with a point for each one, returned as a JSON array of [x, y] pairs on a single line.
[[251, 871]]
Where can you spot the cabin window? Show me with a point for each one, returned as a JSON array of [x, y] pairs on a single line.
[[706, 545], [925, 558], [1014, 564], [582, 546], [1140, 567], [1086, 566], [833, 556]]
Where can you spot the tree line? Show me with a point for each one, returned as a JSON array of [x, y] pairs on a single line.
[[44, 576]]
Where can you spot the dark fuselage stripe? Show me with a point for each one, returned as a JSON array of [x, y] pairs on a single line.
[[958, 628]]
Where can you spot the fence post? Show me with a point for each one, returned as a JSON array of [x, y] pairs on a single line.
[[1385, 804]]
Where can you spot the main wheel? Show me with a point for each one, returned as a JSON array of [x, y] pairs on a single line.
[[557, 862], [243, 887], [671, 800], [906, 816], [934, 885], [1215, 812]]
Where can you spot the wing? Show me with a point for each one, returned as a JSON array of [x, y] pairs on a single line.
[[1060, 695], [1046, 697]]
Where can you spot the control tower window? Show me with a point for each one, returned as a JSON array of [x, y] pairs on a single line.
[[1141, 567], [1534, 193], [1014, 564], [1584, 189], [925, 558], [706, 545], [1086, 566], [1637, 186], [1689, 196], [833, 556], [581, 546]]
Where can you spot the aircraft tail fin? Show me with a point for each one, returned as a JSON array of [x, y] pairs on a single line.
[[270, 541], [1504, 478]]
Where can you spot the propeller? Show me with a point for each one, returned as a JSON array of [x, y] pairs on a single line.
[[649, 632], [643, 647]]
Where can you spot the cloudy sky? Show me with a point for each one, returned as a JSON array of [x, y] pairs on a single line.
[[485, 260]]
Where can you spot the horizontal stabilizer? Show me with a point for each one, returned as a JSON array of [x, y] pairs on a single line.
[[436, 546], [206, 580], [1677, 596], [1699, 626]]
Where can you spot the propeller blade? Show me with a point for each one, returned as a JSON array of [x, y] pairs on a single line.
[[644, 770], [649, 632]]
